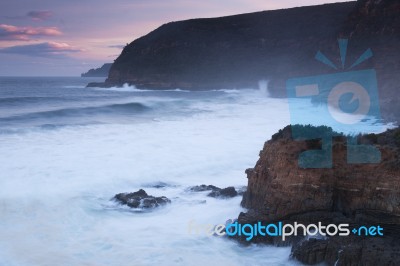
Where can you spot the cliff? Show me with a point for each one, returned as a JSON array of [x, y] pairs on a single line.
[[98, 72], [357, 194], [226, 52], [239, 51], [376, 24]]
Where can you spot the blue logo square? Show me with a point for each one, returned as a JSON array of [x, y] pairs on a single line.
[[345, 100]]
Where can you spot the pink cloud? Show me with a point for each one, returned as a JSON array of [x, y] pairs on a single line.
[[46, 49], [15, 33], [61, 46]]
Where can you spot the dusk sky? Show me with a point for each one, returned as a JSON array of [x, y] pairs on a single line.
[[66, 38]]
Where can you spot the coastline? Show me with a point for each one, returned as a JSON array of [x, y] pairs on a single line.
[[354, 194]]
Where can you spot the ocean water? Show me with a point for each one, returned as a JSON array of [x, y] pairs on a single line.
[[66, 150]]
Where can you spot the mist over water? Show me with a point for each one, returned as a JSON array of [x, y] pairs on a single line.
[[67, 150]]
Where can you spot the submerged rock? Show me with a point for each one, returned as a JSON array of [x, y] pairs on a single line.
[[216, 192], [228, 192], [203, 187], [140, 199], [159, 184]]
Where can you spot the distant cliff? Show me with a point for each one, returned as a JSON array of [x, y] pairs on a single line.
[[98, 72], [230, 52], [238, 51], [356, 194]]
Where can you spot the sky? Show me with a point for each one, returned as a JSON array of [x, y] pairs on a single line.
[[68, 37]]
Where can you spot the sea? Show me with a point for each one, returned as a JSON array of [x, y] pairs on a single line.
[[66, 150]]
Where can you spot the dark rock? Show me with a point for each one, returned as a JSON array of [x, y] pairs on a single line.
[[151, 202], [204, 188], [348, 251], [310, 252], [355, 194], [140, 199], [106, 84], [98, 72], [241, 190], [228, 192], [96, 85], [216, 192]]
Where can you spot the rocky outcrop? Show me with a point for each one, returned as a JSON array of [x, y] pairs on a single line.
[[203, 187], [216, 192], [348, 251], [228, 192], [357, 194], [98, 72], [140, 199]]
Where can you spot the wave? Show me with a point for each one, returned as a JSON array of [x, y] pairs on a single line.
[[74, 87], [40, 128], [235, 91], [124, 88], [231, 90], [125, 108], [131, 88], [13, 100]]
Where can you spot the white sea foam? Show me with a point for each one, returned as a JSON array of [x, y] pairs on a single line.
[[125, 88], [74, 86], [132, 88], [56, 185]]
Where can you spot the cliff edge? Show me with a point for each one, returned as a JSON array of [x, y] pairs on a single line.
[[98, 72], [229, 52], [238, 51], [356, 194]]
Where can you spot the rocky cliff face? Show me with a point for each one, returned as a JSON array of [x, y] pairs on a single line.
[[358, 194], [98, 72], [376, 24], [373, 18], [239, 51], [235, 51]]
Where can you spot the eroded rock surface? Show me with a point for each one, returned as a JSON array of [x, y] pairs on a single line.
[[140, 199], [357, 194]]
